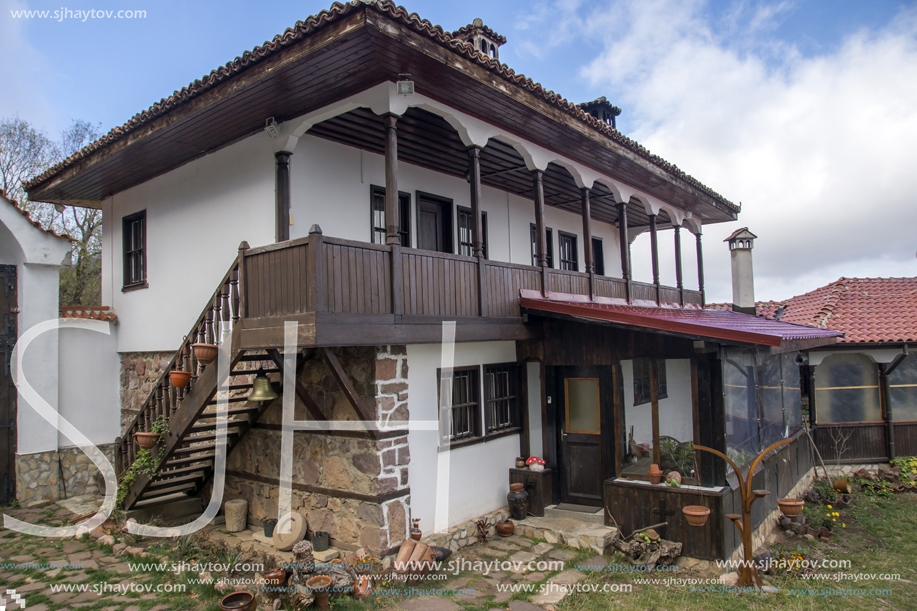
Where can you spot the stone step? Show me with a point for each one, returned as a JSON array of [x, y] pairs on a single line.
[[573, 533], [597, 516]]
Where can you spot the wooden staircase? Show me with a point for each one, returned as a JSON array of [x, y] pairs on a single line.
[[188, 449]]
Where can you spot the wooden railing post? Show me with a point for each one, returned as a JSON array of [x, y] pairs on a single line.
[[397, 282], [240, 300], [315, 271]]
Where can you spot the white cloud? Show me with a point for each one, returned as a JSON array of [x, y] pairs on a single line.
[[819, 150]]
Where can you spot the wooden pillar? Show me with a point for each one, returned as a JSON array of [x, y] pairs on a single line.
[[679, 281], [625, 248], [391, 181], [282, 196], [700, 267], [538, 188], [654, 402], [886, 403], [474, 171], [654, 243], [315, 269], [587, 240]]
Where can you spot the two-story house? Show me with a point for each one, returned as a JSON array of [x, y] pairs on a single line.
[[384, 177]]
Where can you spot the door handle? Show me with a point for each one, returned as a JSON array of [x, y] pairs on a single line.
[[563, 435]]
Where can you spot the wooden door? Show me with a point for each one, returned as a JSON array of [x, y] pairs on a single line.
[[8, 310], [430, 227], [584, 394]]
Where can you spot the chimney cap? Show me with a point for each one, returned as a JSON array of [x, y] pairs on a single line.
[[741, 234]]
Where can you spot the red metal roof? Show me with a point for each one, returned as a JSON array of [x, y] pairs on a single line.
[[865, 309], [714, 324]]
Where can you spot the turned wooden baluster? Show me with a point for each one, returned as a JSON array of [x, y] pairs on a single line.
[[208, 324], [224, 294], [185, 364], [234, 282], [217, 318]]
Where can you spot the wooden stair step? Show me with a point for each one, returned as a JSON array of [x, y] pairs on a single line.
[[153, 492], [159, 483], [159, 500], [209, 436], [204, 426], [228, 400], [205, 447], [254, 357], [206, 458], [251, 372], [180, 471]]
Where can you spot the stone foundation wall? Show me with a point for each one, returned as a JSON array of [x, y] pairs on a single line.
[[39, 475], [353, 487], [139, 371], [466, 533], [849, 470]]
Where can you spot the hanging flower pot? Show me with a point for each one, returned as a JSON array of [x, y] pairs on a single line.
[[180, 379], [790, 507], [696, 515], [146, 441], [204, 353]]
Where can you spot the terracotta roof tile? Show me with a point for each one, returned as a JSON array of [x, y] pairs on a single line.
[[26, 214], [88, 313], [468, 29], [864, 309], [312, 24]]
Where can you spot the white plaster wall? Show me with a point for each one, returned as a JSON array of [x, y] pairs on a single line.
[[675, 411], [879, 355], [330, 185], [478, 474], [89, 371], [533, 380], [196, 217]]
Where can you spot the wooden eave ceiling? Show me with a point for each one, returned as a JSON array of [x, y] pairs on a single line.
[[350, 55]]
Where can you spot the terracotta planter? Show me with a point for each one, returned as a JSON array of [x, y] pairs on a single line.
[[238, 601], [696, 515], [180, 379], [790, 507], [320, 586], [416, 533], [362, 587], [147, 441], [842, 485], [275, 578], [505, 529], [204, 353], [655, 474]]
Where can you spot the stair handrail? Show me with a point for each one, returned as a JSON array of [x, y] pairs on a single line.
[[223, 310]]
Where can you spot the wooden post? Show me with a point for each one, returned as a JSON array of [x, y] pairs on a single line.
[[700, 267], [540, 235], [625, 249], [679, 283], [586, 213], [885, 397], [654, 243], [315, 270], [654, 402], [240, 298], [477, 234], [392, 236], [283, 196]]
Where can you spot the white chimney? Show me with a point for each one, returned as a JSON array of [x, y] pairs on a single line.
[[743, 277]]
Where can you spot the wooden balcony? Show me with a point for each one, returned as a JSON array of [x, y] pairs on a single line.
[[360, 293]]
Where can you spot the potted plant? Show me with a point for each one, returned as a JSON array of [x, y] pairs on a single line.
[[790, 507], [180, 378], [696, 515]]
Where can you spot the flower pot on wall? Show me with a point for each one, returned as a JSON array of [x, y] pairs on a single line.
[[147, 441], [696, 515]]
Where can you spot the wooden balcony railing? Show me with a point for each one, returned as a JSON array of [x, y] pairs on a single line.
[[324, 274]]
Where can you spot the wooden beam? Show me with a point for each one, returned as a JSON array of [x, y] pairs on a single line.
[[540, 239], [350, 392], [587, 230], [700, 267], [654, 243], [282, 200], [392, 236], [654, 399], [679, 282], [474, 170], [301, 391], [625, 249]]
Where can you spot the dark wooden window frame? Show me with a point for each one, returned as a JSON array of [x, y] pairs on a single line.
[[404, 203], [130, 252], [478, 419], [548, 245], [501, 404], [567, 264], [463, 213], [448, 220], [642, 381]]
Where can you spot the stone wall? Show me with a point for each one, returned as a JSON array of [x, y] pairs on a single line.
[[139, 372], [38, 476], [353, 487]]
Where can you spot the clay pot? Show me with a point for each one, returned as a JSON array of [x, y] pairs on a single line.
[[320, 586], [655, 474], [518, 501], [673, 476], [843, 500], [790, 507], [275, 578], [416, 533], [180, 379], [842, 485], [205, 353], [520, 462], [505, 528], [238, 601], [696, 515], [362, 586], [147, 441]]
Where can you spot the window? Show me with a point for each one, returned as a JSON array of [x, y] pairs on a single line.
[[466, 408], [549, 246], [567, 251], [466, 247], [134, 238], [501, 383], [642, 385], [377, 196], [598, 257]]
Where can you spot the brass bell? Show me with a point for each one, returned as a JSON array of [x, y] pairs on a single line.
[[262, 389]]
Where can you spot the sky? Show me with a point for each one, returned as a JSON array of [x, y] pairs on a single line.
[[803, 111]]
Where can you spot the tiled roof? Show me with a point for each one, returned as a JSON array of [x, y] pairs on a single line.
[[737, 233], [304, 29], [724, 325], [865, 309], [26, 214], [88, 313], [468, 29], [601, 101]]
